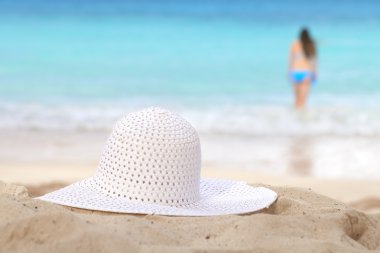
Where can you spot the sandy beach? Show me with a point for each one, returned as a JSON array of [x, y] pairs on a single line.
[[299, 221], [282, 94], [311, 214]]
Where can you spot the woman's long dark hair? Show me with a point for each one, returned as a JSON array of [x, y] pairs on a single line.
[[308, 45]]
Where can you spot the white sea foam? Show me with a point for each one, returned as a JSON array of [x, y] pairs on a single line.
[[324, 141], [232, 119]]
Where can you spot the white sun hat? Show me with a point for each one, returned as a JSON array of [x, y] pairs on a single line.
[[151, 165]]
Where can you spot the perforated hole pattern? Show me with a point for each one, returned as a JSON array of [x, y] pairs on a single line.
[[151, 164], [152, 156], [218, 197]]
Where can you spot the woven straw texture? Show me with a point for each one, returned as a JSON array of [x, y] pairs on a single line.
[[151, 164]]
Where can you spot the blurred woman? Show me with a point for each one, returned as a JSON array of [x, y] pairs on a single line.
[[302, 66]]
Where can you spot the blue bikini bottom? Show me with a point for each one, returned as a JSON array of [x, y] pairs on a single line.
[[298, 77]]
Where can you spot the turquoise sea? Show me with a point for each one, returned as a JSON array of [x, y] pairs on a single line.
[[222, 64]]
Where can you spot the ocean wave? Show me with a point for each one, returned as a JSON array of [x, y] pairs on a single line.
[[232, 119]]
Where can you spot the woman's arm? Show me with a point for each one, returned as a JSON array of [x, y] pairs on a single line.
[[291, 58], [314, 67]]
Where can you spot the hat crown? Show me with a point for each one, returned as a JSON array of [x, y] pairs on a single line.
[[152, 156]]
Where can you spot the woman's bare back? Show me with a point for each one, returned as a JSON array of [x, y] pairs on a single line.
[[298, 58]]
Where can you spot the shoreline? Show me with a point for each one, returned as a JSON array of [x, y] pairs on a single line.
[[332, 157]]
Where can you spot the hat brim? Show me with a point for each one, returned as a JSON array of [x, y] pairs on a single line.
[[218, 197]]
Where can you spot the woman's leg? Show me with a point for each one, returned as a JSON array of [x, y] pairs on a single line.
[[297, 95], [304, 92], [301, 91]]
